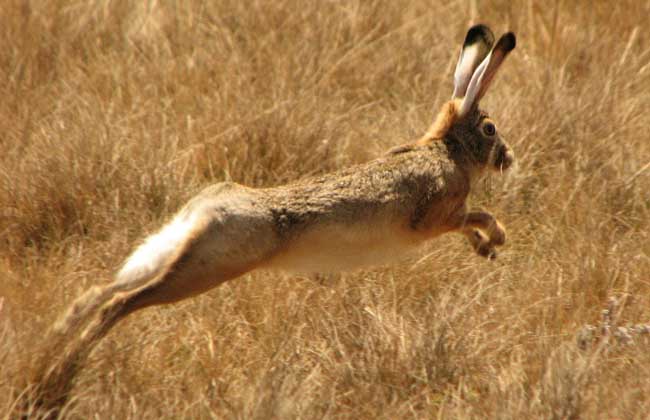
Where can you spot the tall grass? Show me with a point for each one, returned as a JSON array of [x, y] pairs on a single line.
[[113, 113]]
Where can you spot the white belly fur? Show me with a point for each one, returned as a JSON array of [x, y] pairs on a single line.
[[342, 248]]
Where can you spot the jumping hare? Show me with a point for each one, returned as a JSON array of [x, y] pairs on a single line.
[[347, 219]]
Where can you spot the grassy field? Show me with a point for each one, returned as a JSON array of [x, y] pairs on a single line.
[[114, 113]]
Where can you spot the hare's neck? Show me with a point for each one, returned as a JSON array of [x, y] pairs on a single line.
[[463, 158]]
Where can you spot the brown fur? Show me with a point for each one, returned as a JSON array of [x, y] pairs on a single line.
[[395, 202], [362, 215], [445, 119]]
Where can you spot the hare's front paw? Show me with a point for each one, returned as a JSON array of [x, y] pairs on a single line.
[[487, 251], [482, 244], [497, 234]]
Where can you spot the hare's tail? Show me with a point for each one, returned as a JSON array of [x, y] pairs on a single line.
[[94, 313]]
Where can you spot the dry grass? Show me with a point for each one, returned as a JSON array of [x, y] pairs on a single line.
[[115, 112]]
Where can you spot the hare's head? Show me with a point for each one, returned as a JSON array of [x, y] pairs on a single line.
[[469, 129]]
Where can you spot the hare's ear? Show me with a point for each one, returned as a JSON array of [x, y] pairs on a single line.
[[477, 45], [485, 72]]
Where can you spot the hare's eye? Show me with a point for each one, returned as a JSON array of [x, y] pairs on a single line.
[[489, 129]]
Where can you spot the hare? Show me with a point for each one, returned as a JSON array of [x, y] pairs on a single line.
[[357, 216]]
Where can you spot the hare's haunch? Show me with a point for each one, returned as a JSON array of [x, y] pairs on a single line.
[[357, 216]]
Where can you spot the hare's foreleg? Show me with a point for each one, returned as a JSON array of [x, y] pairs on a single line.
[[483, 231], [488, 224], [480, 242]]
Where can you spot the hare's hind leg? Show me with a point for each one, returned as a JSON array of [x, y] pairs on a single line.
[[231, 237], [220, 235], [185, 279]]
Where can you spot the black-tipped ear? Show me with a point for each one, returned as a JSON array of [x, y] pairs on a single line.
[[479, 33], [507, 42], [477, 45], [485, 72]]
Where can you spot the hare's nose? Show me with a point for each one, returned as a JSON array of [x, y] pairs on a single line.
[[505, 158], [509, 158]]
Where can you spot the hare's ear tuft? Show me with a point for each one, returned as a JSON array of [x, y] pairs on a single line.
[[485, 72], [477, 45]]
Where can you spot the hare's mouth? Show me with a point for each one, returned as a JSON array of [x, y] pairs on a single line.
[[504, 158]]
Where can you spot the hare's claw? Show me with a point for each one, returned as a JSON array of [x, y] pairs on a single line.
[[487, 250], [490, 253]]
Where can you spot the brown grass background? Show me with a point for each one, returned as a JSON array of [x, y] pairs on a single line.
[[114, 112]]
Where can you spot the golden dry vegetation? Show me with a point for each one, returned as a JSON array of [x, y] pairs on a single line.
[[113, 113]]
